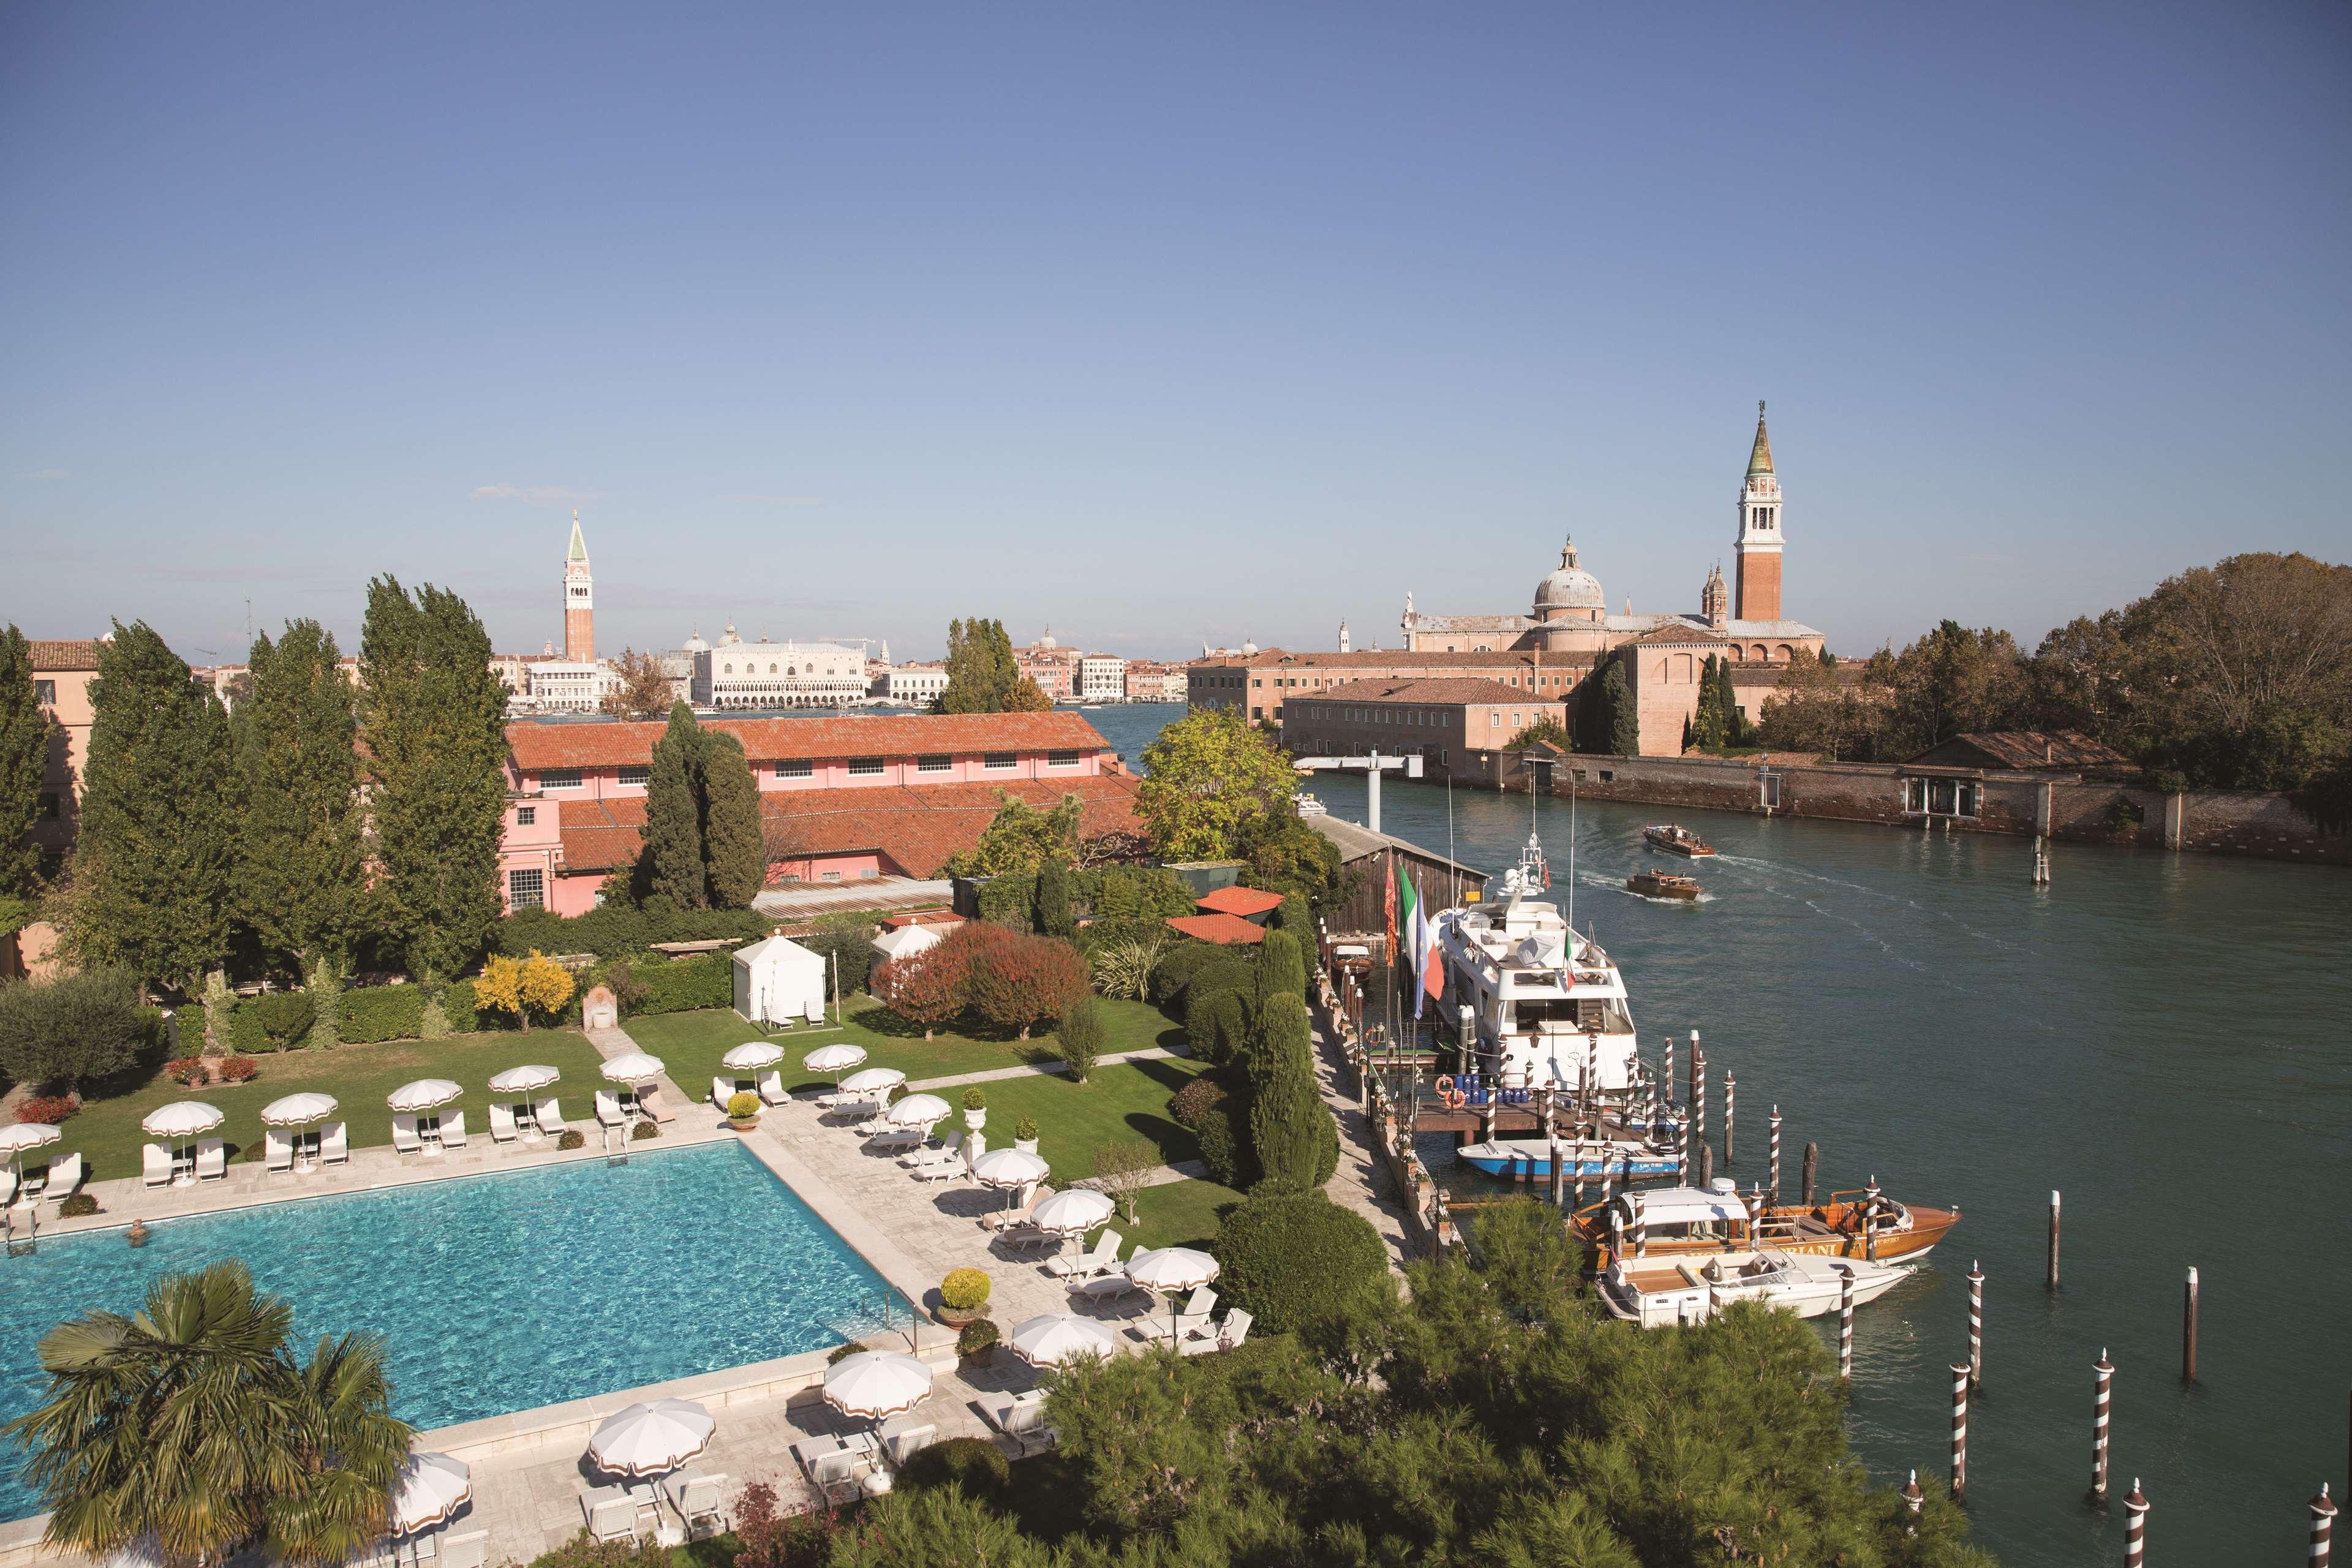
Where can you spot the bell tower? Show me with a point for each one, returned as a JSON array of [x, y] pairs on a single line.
[[1758, 546], [579, 600]]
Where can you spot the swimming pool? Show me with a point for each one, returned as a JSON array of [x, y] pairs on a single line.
[[495, 1292]]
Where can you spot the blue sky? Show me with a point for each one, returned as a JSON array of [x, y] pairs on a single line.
[[1211, 322]]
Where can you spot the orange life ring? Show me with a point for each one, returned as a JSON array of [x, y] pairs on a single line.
[[1446, 1093]]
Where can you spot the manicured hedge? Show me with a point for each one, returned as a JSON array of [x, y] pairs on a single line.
[[1010, 900], [850, 950], [458, 1003], [685, 985], [1125, 893], [381, 1013], [1215, 1108], [244, 1033], [1291, 1258], [619, 930]]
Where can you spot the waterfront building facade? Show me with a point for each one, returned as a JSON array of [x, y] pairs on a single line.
[[1152, 681], [1102, 677], [915, 685], [1259, 684], [1053, 667], [1460, 726], [758, 674]]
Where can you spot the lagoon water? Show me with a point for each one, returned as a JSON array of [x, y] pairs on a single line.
[[2166, 1038]]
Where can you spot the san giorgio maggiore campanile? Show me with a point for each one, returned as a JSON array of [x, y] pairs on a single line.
[[1758, 546], [580, 600]]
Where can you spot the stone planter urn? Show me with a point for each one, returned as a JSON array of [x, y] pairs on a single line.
[[975, 1121], [744, 1124], [1026, 1145], [957, 1316]]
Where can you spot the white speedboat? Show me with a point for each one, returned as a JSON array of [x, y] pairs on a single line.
[[1654, 1293], [1529, 1159]]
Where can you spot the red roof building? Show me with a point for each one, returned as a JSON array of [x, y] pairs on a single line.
[[1225, 930], [1252, 904]]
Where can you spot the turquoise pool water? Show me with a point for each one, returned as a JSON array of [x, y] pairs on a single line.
[[497, 1292]]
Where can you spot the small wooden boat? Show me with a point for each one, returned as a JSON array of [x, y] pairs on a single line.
[[1681, 1220], [1676, 839], [1658, 1292], [1529, 1159], [1663, 885]]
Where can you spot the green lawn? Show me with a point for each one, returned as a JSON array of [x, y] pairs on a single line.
[[1181, 1214], [690, 1044], [1128, 1101], [107, 1131]]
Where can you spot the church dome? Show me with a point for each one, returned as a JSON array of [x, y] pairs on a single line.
[[1569, 588]]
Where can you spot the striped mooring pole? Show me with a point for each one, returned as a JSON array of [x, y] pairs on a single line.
[[1730, 1109], [1975, 1324], [2103, 1384], [1845, 1327], [1558, 1172], [1960, 1431], [1640, 1226], [2189, 1329], [2323, 1526], [1578, 1156], [2053, 1238], [1772, 1155], [1813, 1165], [1698, 1088], [2135, 1527], [1914, 1498], [1668, 1078]]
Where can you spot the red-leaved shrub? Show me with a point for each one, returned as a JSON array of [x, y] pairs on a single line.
[[927, 987], [187, 1071], [238, 1069], [1019, 981], [47, 1110]]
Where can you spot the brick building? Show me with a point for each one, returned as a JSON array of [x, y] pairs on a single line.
[[1261, 683], [1459, 726]]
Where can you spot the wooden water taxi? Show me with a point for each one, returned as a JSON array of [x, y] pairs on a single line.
[[1654, 1293], [1663, 885], [1676, 839], [1676, 1222]]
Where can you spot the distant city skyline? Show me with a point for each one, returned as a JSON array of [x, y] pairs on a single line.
[[1158, 330]]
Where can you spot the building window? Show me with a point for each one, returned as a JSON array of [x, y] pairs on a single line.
[[1494, 717], [934, 764], [44, 692], [795, 768], [1061, 758], [864, 767], [638, 774], [525, 816], [1257, 712], [829, 876], [1001, 759], [559, 778], [526, 889]]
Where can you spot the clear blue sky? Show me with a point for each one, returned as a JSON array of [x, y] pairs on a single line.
[[1213, 322]]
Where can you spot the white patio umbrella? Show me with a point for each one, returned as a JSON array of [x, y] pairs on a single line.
[[877, 1384], [523, 1080], [1073, 1211], [1058, 1337], [297, 1110], [1171, 1270], [916, 1111], [649, 1438], [429, 1489], [833, 1058], [180, 1118], [873, 1080], [425, 1094], [24, 1135], [632, 1067], [1009, 1168], [753, 1055]]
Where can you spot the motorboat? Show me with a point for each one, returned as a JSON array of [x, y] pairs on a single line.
[[1676, 839], [1655, 1292], [1529, 1159], [1679, 1222], [1663, 885], [1307, 805]]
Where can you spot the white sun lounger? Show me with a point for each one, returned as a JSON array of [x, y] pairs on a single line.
[[65, 1175], [335, 1144], [831, 1471], [890, 1137], [771, 1088], [502, 1124], [649, 1103], [900, 1446], [608, 1110], [212, 1159], [696, 1498], [944, 1155], [278, 1150], [404, 1140], [1224, 1336], [1193, 1317], [453, 1131], [722, 1090], [610, 1513], [814, 1010], [549, 1116], [468, 1550], [8, 1186], [155, 1165], [1103, 1258]]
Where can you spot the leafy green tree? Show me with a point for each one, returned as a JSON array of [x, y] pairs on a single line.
[[983, 677], [72, 1030], [24, 735], [190, 1422], [938, 1527], [432, 717], [1078, 1037], [301, 881], [1290, 1123], [1021, 838], [1213, 787], [1952, 681], [734, 843], [1054, 916], [157, 828], [676, 868], [1286, 856], [1546, 730], [1292, 1257]]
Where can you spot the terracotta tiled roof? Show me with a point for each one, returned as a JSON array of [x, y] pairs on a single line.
[[1445, 690], [1242, 901], [71, 653], [1226, 930], [1376, 658], [607, 745], [916, 827]]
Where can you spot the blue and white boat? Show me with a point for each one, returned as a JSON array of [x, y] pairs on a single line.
[[1529, 1159]]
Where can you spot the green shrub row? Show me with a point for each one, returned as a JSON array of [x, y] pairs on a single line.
[[381, 1013], [682, 984]]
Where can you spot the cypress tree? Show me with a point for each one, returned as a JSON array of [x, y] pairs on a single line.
[[301, 876], [24, 757], [1053, 917], [734, 844], [1281, 967], [1624, 723], [1729, 721], [674, 814], [1289, 1121], [157, 829], [434, 719]]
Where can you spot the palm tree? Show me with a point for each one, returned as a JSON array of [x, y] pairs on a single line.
[[189, 1424]]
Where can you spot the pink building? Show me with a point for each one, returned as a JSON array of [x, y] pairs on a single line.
[[844, 798]]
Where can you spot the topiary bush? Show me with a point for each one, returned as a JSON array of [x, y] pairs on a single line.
[[1175, 970], [246, 1036], [285, 1016], [964, 1290], [76, 1206], [457, 1007], [643, 1131], [977, 1339], [571, 1138], [375, 1013], [239, 1070], [77, 1027], [1215, 1108], [742, 1105], [1078, 1037], [1291, 1259], [974, 1463]]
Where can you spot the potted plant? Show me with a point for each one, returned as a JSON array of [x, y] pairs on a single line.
[[975, 1108], [977, 1343], [963, 1296], [742, 1110], [1025, 1135]]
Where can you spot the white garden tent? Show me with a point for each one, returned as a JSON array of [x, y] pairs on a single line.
[[909, 939], [778, 980]]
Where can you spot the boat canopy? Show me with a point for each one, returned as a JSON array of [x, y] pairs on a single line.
[[1688, 1205]]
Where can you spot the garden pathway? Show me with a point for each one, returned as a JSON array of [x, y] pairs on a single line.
[[1360, 1184], [1026, 1070]]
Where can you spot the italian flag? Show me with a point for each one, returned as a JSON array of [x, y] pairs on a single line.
[[1428, 960]]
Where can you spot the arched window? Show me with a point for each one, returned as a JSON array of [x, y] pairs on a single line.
[[1760, 654], [1738, 654], [1786, 653], [728, 670]]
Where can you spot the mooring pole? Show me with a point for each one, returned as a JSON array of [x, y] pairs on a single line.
[[2102, 1382], [1846, 1323], [2053, 1238], [2189, 1329], [1551, 1135], [1605, 1186], [1960, 1431], [1669, 1076], [2135, 1527], [1975, 1324], [1813, 1164], [1730, 1109], [2323, 1526], [1772, 1154], [1641, 1226], [1914, 1498], [1698, 1088], [1706, 1165]]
